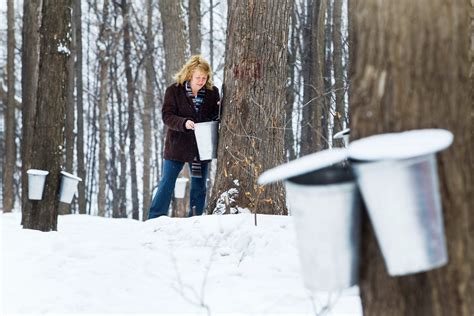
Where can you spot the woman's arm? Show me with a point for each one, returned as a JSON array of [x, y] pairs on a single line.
[[170, 112]]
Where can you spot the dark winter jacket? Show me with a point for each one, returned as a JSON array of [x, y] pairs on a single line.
[[180, 144]]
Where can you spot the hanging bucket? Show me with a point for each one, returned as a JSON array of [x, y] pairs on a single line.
[[206, 138], [398, 180], [180, 188], [68, 187], [344, 134], [323, 200], [36, 181]]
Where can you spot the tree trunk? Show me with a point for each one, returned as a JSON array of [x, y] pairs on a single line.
[[194, 21], [70, 108], [47, 153], [104, 62], [81, 172], [10, 123], [313, 135], [147, 110], [321, 106], [290, 153], [327, 71], [174, 41], [174, 37], [339, 116], [410, 69], [29, 83], [127, 47], [211, 32], [251, 132]]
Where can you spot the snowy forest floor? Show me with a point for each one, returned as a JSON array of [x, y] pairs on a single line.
[[207, 265]]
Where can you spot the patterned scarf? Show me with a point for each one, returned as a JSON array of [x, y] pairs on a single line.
[[197, 100], [196, 170]]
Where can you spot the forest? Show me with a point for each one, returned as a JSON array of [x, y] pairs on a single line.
[[82, 85]]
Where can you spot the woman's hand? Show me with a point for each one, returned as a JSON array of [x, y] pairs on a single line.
[[189, 124]]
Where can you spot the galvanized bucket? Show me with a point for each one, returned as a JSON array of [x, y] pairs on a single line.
[[324, 202], [325, 208], [36, 181], [180, 188], [206, 138], [403, 200], [68, 187]]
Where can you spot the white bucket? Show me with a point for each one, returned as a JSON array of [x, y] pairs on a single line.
[[325, 207], [180, 188], [398, 179], [68, 188], [324, 202], [206, 138], [344, 134], [36, 181]]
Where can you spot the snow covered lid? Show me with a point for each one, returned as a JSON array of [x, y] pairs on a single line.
[[402, 145], [304, 165], [67, 174], [342, 133], [37, 172]]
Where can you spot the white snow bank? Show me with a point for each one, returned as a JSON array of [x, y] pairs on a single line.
[[215, 264]]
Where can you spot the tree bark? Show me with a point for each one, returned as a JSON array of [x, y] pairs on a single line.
[[47, 153], [127, 47], [147, 110], [340, 113], [10, 123], [174, 37], [29, 83], [251, 132], [194, 22], [176, 50], [410, 70], [70, 121], [104, 63], [290, 153], [81, 171], [313, 136], [211, 32]]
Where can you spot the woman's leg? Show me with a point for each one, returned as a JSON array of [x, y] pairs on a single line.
[[161, 201], [198, 191]]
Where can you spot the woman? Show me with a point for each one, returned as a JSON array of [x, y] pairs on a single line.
[[192, 99]]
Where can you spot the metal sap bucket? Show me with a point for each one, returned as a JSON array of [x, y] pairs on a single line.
[[206, 138], [344, 134], [36, 181], [68, 187], [180, 188], [404, 205], [325, 206]]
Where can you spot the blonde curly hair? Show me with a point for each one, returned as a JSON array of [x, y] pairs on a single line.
[[196, 62]]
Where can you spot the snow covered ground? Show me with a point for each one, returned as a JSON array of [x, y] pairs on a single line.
[[207, 265]]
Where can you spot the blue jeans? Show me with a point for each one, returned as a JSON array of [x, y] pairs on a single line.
[[161, 201]]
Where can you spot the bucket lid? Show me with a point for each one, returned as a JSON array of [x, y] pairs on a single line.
[[37, 172], [342, 133], [67, 174], [304, 165], [402, 145]]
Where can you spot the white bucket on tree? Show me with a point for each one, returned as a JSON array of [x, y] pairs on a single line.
[[68, 188], [36, 181], [323, 199], [206, 138], [180, 188], [398, 179]]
